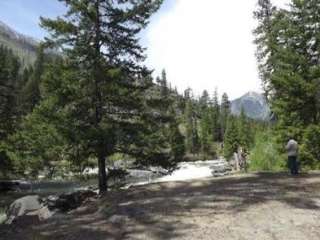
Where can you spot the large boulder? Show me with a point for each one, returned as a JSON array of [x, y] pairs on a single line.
[[28, 207], [69, 201]]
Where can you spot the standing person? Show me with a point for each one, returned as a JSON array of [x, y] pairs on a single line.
[[292, 149]]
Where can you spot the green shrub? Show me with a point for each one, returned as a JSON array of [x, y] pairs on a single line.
[[265, 155], [310, 149]]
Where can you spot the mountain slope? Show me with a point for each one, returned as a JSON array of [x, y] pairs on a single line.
[[254, 104], [23, 46]]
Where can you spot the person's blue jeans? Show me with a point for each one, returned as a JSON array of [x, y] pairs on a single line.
[[293, 165]]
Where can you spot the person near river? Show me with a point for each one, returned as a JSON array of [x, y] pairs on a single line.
[[292, 148]]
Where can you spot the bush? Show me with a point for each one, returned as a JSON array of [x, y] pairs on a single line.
[[265, 155], [310, 149]]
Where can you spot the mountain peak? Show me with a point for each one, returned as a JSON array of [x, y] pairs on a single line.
[[254, 104]]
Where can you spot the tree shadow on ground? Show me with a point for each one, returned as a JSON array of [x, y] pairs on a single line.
[[158, 211]]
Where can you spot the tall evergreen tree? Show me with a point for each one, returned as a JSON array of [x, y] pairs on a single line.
[[244, 131], [266, 47], [288, 53], [215, 118], [224, 113], [176, 139], [100, 39], [192, 137], [163, 83], [9, 91], [30, 94], [231, 139], [206, 137], [167, 138], [38, 145], [9, 112], [204, 101]]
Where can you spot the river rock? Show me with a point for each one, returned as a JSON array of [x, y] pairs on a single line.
[[69, 201], [27, 208], [159, 170]]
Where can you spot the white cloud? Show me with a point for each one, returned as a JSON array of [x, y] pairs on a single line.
[[206, 44]]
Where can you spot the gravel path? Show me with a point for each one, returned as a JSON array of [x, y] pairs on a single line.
[[252, 206]]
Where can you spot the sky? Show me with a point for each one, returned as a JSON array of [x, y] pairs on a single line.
[[202, 44], [23, 15]]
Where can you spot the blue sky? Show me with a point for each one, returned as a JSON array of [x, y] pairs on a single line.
[[23, 15]]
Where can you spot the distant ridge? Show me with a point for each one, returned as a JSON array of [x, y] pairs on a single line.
[[254, 105], [23, 46]]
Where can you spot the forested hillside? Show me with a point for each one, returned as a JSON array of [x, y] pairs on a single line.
[[23, 46]]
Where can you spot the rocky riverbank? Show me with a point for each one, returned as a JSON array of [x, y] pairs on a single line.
[[65, 196]]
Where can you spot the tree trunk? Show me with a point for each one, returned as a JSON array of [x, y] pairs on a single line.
[[98, 101], [102, 174], [236, 161]]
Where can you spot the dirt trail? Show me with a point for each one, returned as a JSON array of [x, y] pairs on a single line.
[[253, 206]]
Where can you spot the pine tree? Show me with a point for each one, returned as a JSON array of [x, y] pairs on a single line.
[[192, 137], [38, 145], [215, 118], [231, 139], [204, 101], [288, 63], [100, 39], [31, 90], [266, 47], [224, 113], [206, 137], [163, 83], [245, 132], [9, 111], [166, 136], [177, 140], [9, 91], [189, 126], [288, 53]]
